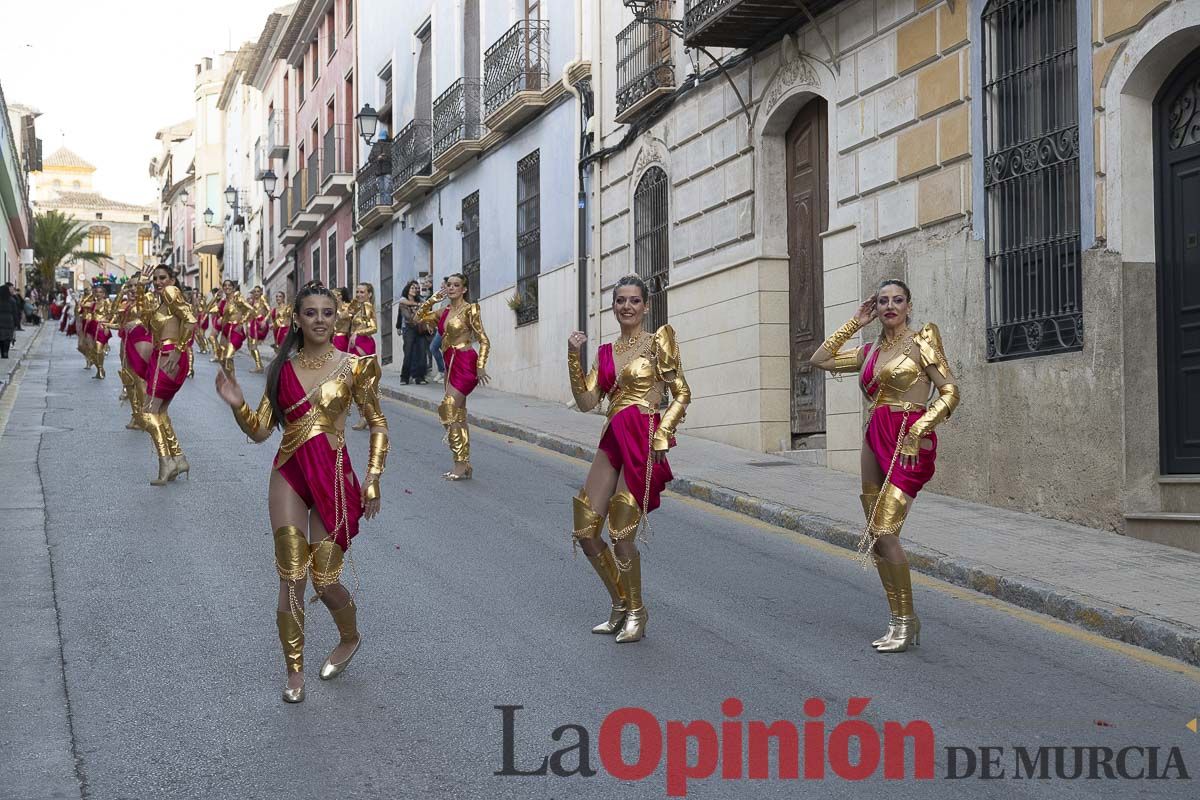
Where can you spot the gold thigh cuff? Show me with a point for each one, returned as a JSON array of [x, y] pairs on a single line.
[[870, 493], [890, 512], [291, 553], [587, 522]]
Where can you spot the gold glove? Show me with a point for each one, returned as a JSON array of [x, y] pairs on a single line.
[[377, 456], [841, 336], [256, 424], [585, 390], [670, 371], [940, 409]]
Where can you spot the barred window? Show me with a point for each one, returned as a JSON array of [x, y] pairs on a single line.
[[1031, 178], [529, 235], [470, 244], [651, 241]]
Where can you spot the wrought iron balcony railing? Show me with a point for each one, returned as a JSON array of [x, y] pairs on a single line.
[[411, 152], [519, 61], [312, 176], [374, 191], [456, 115], [334, 156], [644, 63], [744, 23]]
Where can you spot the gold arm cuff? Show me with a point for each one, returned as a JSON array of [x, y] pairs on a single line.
[[848, 361], [841, 336], [377, 455], [246, 420], [939, 410]]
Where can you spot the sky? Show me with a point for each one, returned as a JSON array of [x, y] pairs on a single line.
[[108, 74]]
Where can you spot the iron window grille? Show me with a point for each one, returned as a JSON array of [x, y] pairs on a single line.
[[470, 244], [456, 115], [644, 58], [517, 62], [1034, 286], [529, 236], [651, 241]]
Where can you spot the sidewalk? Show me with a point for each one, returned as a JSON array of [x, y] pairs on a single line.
[[20, 348], [1127, 589]]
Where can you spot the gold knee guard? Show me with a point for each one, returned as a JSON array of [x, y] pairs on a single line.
[[327, 561], [454, 420], [870, 493], [291, 553], [291, 637], [587, 526], [623, 516]]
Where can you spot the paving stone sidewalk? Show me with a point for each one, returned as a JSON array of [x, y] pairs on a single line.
[[1123, 588]]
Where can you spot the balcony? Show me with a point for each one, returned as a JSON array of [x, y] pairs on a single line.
[[315, 201], [262, 162], [516, 75], [303, 191], [644, 68], [744, 23], [277, 146], [457, 129], [337, 173], [375, 185], [412, 162]]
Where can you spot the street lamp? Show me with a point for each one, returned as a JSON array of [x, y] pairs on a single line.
[[230, 195], [269, 181], [368, 122], [208, 217]]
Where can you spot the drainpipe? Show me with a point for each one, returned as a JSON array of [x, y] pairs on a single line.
[[581, 220]]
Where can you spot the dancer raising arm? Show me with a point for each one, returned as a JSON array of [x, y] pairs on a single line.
[[899, 373], [630, 468], [314, 498]]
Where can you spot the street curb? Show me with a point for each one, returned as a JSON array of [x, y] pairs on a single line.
[[1115, 622], [6, 379]]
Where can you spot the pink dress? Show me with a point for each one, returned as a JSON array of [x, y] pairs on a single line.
[[883, 432]]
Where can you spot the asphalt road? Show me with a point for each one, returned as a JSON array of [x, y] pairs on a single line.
[[470, 598]]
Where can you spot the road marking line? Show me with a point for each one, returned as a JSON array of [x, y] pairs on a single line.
[[1050, 624]]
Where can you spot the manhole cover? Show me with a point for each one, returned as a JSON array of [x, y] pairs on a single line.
[[771, 463]]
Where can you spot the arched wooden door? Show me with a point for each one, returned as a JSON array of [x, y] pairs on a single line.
[[1177, 207], [808, 216]]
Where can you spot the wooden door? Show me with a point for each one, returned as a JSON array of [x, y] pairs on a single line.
[[1177, 146], [808, 216]]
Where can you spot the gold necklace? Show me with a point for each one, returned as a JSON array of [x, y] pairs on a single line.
[[622, 346], [315, 363]]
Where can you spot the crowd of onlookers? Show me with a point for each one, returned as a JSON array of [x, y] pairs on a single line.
[[16, 311], [422, 342]]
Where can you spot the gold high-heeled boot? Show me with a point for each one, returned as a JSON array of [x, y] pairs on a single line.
[[908, 626], [180, 463], [291, 638], [137, 402], [98, 352], [258, 362], [587, 526], [454, 420], [166, 464], [623, 518], [126, 378], [868, 497]]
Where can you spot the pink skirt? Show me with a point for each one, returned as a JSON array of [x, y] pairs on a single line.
[[280, 335], [341, 341], [160, 384], [462, 370], [101, 334], [625, 442], [310, 471], [364, 345], [882, 433], [134, 337], [235, 334]]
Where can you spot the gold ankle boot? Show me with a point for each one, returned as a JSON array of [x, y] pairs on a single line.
[[908, 626], [291, 637], [347, 624]]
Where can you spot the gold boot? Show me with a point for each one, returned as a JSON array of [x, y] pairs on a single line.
[[454, 420], [166, 464], [181, 465], [908, 626], [137, 402], [98, 359], [623, 518], [291, 637], [587, 526], [346, 620], [868, 498], [258, 363]]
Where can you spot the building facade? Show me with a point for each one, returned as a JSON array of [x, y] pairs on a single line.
[[480, 106], [1021, 166], [123, 232], [20, 151], [208, 189], [174, 171]]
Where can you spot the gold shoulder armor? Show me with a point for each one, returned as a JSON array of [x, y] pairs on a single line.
[[667, 349], [929, 340]]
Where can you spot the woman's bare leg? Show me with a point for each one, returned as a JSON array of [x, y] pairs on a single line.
[[599, 486]]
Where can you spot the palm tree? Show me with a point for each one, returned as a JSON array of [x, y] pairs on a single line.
[[58, 238]]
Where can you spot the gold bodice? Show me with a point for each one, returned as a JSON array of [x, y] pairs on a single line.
[[171, 318], [363, 323], [641, 378], [283, 315], [262, 308], [237, 310], [345, 316], [463, 327]]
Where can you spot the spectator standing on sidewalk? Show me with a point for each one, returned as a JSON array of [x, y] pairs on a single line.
[[414, 366], [433, 340], [16, 303], [7, 321]]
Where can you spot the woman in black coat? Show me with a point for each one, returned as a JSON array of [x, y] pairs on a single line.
[[8, 321]]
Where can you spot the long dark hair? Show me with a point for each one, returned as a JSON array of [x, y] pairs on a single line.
[[291, 343], [409, 285]]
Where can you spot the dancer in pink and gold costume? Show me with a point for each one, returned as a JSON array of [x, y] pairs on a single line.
[[258, 327], [362, 329], [314, 497], [345, 317], [137, 344], [235, 314], [899, 374], [102, 315], [281, 319], [171, 321], [460, 324], [630, 468]]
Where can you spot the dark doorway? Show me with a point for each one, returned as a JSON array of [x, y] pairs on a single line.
[[385, 304], [808, 216], [1177, 210]]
